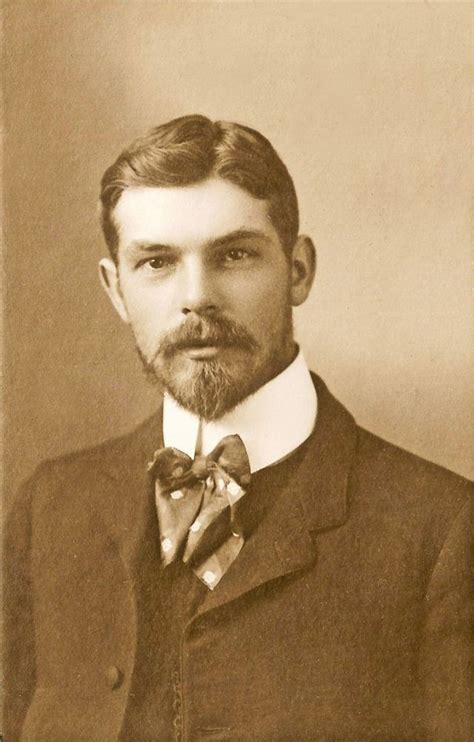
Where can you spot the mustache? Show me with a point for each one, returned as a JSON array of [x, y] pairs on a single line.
[[202, 331]]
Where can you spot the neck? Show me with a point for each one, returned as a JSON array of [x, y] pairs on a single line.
[[283, 361]]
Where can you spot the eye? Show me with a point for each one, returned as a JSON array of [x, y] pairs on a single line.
[[158, 262], [236, 254]]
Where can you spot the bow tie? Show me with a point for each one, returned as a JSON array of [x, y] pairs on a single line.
[[196, 504]]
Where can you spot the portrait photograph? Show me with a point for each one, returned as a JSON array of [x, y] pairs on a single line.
[[238, 410]]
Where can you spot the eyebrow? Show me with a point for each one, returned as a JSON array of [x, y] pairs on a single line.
[[239, 234], [226, 239]]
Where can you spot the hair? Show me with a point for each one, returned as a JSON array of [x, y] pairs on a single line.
[[190, 149]]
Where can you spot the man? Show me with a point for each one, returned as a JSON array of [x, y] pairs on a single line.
[[249, 564]]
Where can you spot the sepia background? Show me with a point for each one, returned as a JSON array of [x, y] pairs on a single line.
[[368, 105]]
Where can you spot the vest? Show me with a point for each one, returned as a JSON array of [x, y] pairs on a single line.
[[167, 600]]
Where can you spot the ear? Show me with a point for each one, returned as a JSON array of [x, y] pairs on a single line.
[[109, 278], [303, 269]]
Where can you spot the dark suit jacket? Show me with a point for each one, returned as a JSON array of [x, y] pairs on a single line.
[[347, 616]]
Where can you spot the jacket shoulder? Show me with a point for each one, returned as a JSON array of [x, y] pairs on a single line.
[[109, 453], [388, 460], [83, 473], [408, 486]]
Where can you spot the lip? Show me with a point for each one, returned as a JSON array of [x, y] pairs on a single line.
[[201, 352]]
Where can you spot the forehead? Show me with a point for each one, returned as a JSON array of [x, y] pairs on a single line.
[[188, 215]]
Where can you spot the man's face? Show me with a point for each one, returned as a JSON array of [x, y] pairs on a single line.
[[203, 280]]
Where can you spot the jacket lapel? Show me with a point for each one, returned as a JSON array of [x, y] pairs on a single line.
[[314, 498], [130, 514]]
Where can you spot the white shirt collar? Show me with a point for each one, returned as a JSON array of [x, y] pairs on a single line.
[[272, 423]]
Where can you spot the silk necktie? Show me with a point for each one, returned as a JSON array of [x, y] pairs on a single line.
[[196, 504]]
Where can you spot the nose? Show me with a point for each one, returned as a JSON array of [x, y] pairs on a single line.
[[198, 290]]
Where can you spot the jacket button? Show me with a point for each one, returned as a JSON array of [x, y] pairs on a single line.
[[114, 677]]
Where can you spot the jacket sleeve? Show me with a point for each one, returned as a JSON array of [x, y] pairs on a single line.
[[447, 650], [18, 627]]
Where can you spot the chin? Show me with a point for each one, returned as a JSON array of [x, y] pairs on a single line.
[[211, 388]]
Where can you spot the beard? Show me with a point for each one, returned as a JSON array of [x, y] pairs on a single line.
[[209, 388]]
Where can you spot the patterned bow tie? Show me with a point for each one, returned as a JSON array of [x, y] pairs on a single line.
[[196, 504]]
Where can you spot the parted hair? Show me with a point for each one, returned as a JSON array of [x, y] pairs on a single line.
[[190, 149]]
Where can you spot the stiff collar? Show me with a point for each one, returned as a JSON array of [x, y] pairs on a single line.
[[272, 423]]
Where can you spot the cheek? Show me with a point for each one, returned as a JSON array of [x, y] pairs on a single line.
[[147, 313], [268, 286], [265, 310], [273, 290]]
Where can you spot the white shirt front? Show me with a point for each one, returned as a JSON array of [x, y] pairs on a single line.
[[272, 423]]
